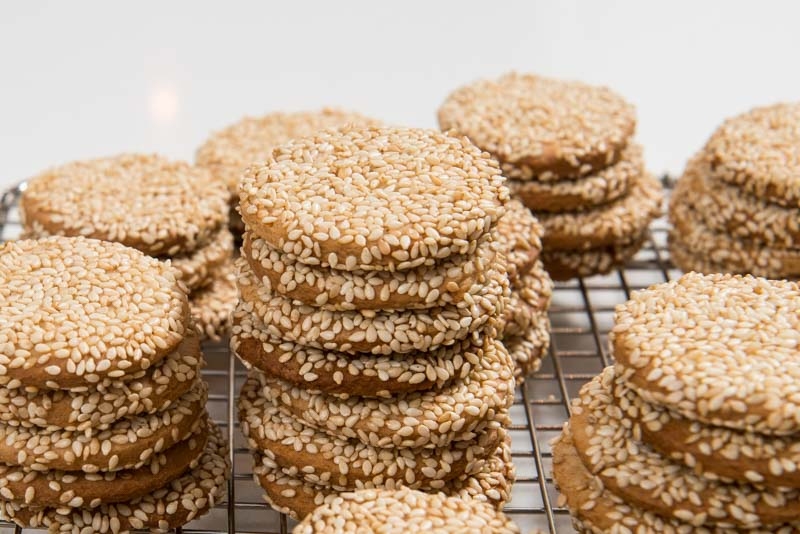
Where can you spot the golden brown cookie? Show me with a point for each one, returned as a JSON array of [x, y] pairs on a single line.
[[212, 305], [694, 345], [376, 332], [447, 282], [374, 198], [529, 349], [566, 264], [77, 311], [604, 186], [540, 127], [529, 299], [98, 409], [519, 234], [127, 444], [147, 202], [184, 499], [757, 151], [687, 261], [198, 268], [470, 405], [404, 510]]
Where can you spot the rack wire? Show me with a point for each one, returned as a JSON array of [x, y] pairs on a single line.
[[581, 315]]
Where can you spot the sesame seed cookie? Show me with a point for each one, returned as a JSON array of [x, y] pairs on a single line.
[[374, 199], [212, 305], [606, 444], [541, 127], [566, 264], [171, 506], [198, 268], [471, 405], [376, 332], [348, 463], [147, 202], [77, 311], [446, 282], [99, 408], [744, 457], [527, 302], [758, 151], [127, 444], [694, 345], [298, 498], [604, 186], [404, 510], [346, 374], [529, 349], [607, 225], [76, 489], [519, 235]]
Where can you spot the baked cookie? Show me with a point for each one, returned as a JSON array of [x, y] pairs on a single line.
[[213, 304], [529, 349], [529, 299], [566, 264], [519, 235], [199, 267]]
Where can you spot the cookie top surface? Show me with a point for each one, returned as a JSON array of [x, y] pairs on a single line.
[[251, 140], [405, 510], [718, 348], [760, 151], [148, 202], [377, 198], [77, 310], [564, 127]]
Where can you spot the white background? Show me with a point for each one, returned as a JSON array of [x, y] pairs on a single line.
[[84, 79]]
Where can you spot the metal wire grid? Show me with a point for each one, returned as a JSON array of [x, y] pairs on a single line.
[[581, 314]]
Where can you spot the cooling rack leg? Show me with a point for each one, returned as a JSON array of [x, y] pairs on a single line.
[[537, 456], [231, 453]]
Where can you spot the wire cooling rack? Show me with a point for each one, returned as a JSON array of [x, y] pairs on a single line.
[[581, 314]]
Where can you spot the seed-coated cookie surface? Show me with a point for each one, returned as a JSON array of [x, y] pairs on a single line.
[[566, 264], [519, 235], [198, 267], [212, 305]]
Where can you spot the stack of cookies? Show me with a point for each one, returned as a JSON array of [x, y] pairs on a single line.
[[228, 152], [695, 428], [166, 209], [737, 206], [103, 426], [567, 148], [371, 291]]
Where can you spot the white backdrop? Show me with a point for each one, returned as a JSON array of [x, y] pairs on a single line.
[[84, 79]]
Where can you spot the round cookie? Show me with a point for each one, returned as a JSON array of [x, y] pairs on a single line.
[[529, 349], [369, 331], [78, 311], [758, 152], [345, 374], [540, 127], [97, 409], [447, 282], [76, 489], [212, 305], [182, 500], [127, 444], [374, 199], [470, 405], [251, 140], [528, 301], [147, 202], [744, 457], [519, 235], [348, 463], [687, 261], [566, 264], [404, 510], [297, 498], [720, 330], [198, 268], [607, 446], [608, 225], [605, 186]]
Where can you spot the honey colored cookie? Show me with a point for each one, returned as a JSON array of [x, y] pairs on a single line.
[[470, 405], [97, 409], [744, 457], [687, 261], [346, 374], [212, 305], [694, 345], [630, 469], [298, 498], [369, 331], [529, 349], [529, 299], [77, 311], [617, 222], [147, 202], [404, 510], [198, 268], [758, 152], [182, 500], [602, 187], [127, 444], [374, 199], [540, 127], [76, 489], [567, 264], [345, 463], [519, 234]]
